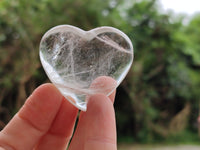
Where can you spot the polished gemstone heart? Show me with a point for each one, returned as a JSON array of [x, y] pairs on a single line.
[[76, 60]]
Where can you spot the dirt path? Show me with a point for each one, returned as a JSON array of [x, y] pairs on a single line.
[[131, 147]]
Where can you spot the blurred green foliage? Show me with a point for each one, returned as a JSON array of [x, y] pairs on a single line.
[[158, 100]]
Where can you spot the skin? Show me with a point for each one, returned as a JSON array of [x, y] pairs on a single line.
[[46, 122]]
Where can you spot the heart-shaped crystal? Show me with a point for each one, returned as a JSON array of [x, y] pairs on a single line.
[[74, 59]]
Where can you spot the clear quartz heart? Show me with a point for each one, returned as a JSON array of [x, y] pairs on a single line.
[[74, 59]]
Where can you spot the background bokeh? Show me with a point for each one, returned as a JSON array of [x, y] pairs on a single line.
[[158, 102]]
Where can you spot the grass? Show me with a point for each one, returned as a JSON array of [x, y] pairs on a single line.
[[157, 147]]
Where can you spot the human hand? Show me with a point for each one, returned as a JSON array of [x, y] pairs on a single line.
[[47, 119]]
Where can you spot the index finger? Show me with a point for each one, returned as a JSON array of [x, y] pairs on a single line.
[[33, 120]]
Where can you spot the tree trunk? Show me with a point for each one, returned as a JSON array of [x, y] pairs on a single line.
[[198, 121]]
